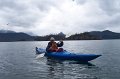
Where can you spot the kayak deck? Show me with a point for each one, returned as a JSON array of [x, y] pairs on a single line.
[[65, 55]]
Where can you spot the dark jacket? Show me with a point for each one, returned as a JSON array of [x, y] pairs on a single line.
[[50, 44]]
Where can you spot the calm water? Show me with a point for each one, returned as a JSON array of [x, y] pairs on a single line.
[[18, 61]]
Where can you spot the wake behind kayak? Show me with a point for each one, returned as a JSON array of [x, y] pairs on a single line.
[[65, 55]]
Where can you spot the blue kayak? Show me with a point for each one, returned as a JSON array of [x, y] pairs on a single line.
[[65, 55]]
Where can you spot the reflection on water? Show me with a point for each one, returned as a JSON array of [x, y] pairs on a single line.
[[68, 70]]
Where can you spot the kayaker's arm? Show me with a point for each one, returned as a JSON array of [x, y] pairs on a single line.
[[60, 44]]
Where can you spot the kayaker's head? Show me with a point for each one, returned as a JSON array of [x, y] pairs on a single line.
[[52, 39]]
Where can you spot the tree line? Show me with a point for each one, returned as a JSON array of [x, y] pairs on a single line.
[[81, 36]]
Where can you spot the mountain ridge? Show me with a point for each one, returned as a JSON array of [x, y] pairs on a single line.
[[10, 36], [106, 34]]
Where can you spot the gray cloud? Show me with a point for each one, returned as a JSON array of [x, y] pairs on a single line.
[[111, 7], [80, 1], [52, 16]]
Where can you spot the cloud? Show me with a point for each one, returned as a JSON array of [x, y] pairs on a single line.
[[111, 7], [52, 16]]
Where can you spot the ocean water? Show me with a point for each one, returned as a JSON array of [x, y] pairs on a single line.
[[18, 61]]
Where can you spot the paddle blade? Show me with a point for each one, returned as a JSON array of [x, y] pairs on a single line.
[[40, 56]]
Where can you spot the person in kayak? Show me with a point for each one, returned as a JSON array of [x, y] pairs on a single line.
[[53, 46]]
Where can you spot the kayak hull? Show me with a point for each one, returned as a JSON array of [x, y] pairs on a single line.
[[71, 56], [65, 55]]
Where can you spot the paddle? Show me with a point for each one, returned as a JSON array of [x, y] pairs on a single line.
[[40, 54]]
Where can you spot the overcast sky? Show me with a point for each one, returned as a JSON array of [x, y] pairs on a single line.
[[52, 16]]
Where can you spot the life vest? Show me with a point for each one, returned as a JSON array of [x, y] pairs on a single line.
[[54, 46]]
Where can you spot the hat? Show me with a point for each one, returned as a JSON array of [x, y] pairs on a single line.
[[52, 39]]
